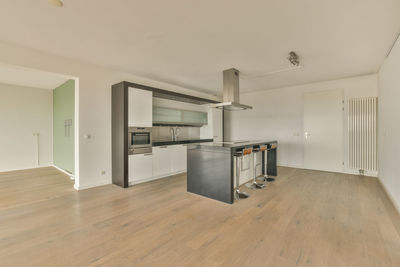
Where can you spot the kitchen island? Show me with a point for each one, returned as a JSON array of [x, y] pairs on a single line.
[[210, 167]]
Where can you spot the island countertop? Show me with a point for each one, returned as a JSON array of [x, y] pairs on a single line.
[[237, 144]]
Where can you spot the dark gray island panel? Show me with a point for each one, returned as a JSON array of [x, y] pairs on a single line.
[[210, 167], [212, 173]]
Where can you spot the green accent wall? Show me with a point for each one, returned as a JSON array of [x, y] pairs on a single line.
[[63, 126]]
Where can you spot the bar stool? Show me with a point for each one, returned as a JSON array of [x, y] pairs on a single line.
[[238, 156], [265, 150], [255, 184]]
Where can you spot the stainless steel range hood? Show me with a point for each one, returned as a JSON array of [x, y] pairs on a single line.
[[231, 92]]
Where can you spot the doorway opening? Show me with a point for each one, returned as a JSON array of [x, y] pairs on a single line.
[[39, 117]]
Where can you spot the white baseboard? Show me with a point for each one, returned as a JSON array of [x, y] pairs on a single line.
[[347, 171], [24, 169], [155, 178], [367, 173], [290, 166], [83, 187], [395, 204], [65, 172]]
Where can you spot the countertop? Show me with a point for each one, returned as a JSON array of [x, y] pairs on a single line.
[[238, 144], [180, 141]]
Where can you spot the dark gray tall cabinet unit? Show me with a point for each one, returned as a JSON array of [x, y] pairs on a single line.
[[119, 123]]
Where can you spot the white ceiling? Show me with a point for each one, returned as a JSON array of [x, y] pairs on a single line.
[[190, 42], [15, 75]]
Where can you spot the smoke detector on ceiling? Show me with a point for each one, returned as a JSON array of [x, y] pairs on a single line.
[[57, 3], [295, 64], [294, 59]]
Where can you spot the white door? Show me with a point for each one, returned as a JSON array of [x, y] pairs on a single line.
[[140, 108], [323, 130], [217, 124]]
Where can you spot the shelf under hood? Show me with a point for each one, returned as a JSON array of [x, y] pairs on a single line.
[[232, 106]]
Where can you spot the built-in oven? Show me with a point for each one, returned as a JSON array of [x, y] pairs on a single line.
[[139, 140]]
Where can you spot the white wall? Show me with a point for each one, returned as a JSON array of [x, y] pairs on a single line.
[[278, 114], [389, 124], [94, 105], [23, 112]]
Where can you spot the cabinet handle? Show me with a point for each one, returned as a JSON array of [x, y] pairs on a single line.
[[147, 154], [163, 146]]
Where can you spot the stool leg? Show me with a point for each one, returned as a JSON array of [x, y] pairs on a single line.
[[255, 184], [266, 178], [239, 194]]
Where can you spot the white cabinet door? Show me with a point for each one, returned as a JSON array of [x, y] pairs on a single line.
[[182, 158], [217, 124], [169, 160], [140, 108], [140, 167], [162, 161], [178, 158]]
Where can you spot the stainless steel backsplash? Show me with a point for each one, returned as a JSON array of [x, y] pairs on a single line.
[[163, 132]]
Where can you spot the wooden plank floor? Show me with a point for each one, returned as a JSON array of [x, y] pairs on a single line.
[[304, 218]]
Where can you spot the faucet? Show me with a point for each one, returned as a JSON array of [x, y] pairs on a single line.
[[174, 132]]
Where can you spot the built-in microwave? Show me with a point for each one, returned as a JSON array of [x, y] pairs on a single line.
[[139, 140]]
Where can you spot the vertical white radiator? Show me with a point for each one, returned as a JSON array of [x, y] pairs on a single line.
[[362, 134]]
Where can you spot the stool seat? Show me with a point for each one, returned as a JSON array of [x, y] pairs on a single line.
[[247, 151]]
